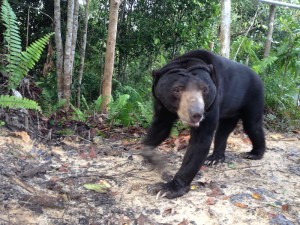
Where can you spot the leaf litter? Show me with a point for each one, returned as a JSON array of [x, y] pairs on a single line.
[[73, 180]]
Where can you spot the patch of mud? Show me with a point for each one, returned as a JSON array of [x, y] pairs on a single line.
[[44, 184]]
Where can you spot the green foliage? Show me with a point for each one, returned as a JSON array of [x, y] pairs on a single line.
[[126, 111], [279, 71], [145, 113], [150, 33], [48, 102], [85, 102], [17, 102], [19, 63], [2, 123], [97, 104], [66, 132], [119, 110], [263, 65], [78, 114]]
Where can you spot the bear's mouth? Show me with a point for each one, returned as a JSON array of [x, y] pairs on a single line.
[[191, 124]]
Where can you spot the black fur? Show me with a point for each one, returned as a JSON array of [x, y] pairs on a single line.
[[238, 94]]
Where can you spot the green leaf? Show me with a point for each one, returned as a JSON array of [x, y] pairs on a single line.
[[19, 62], [231, 165], [16, 102], [101, 188]]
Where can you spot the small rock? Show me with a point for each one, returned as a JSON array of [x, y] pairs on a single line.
[[280, 220]]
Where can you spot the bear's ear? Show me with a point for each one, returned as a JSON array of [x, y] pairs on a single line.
[[155, 77], [213, 74], [210, 67], [154, 73]]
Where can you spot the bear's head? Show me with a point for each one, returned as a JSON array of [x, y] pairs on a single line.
[[188, 92]]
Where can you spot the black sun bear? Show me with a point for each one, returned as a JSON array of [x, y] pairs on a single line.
[[210, 94]]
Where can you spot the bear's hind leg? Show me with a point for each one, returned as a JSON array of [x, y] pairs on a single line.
[[254, 129], [225, 127]]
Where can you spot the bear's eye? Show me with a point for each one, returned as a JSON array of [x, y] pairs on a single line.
[[205, 90], [177, 91]]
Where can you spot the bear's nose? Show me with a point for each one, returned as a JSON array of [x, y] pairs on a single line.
[[195, 117]]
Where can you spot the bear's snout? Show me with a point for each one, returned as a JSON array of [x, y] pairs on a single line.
[[191, 108], [196, 114]]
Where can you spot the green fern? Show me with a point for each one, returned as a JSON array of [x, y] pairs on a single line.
[[17, 102], [78, 115], [11, 36], [120, 109], [85, 102], [98, 103], [19, 63]]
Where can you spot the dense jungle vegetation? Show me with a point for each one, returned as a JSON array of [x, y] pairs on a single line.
[[150, 33]]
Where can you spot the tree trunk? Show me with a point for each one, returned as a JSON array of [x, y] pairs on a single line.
[[110, 54], [225, 28], [59, 49], [74, 34], [82, 53], [270, 31], [28, 23], [68, 54]]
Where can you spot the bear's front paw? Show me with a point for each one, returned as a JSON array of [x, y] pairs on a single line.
[[214, 159], [153, 158], [168, 190]]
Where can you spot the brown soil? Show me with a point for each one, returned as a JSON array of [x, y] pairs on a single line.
[[43, 183]]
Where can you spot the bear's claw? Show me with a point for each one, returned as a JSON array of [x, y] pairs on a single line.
[[165, 190], [214, 160]]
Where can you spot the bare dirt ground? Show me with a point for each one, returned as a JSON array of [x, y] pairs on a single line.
[[53, 183]]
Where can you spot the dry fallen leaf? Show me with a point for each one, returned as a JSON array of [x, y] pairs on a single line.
[[216, 191], [276, 136], [24, 136], [256, 196], [240, 205], [92, 153], [167, 212], [184, 222], [246, 140], [125, 142], [181, 142], [210, 201], [193, 187], [225, 198], [285, 207]]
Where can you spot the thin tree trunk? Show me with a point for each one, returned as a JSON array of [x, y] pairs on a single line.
[[74, 34], [82, 55], [225, 28], [250, 27], [68, 54], [27, 33], [110, 54], [270, 31], [59, 49]]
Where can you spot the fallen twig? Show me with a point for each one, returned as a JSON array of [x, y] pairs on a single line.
[[242, 168], [42, 200], [27, 187]]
